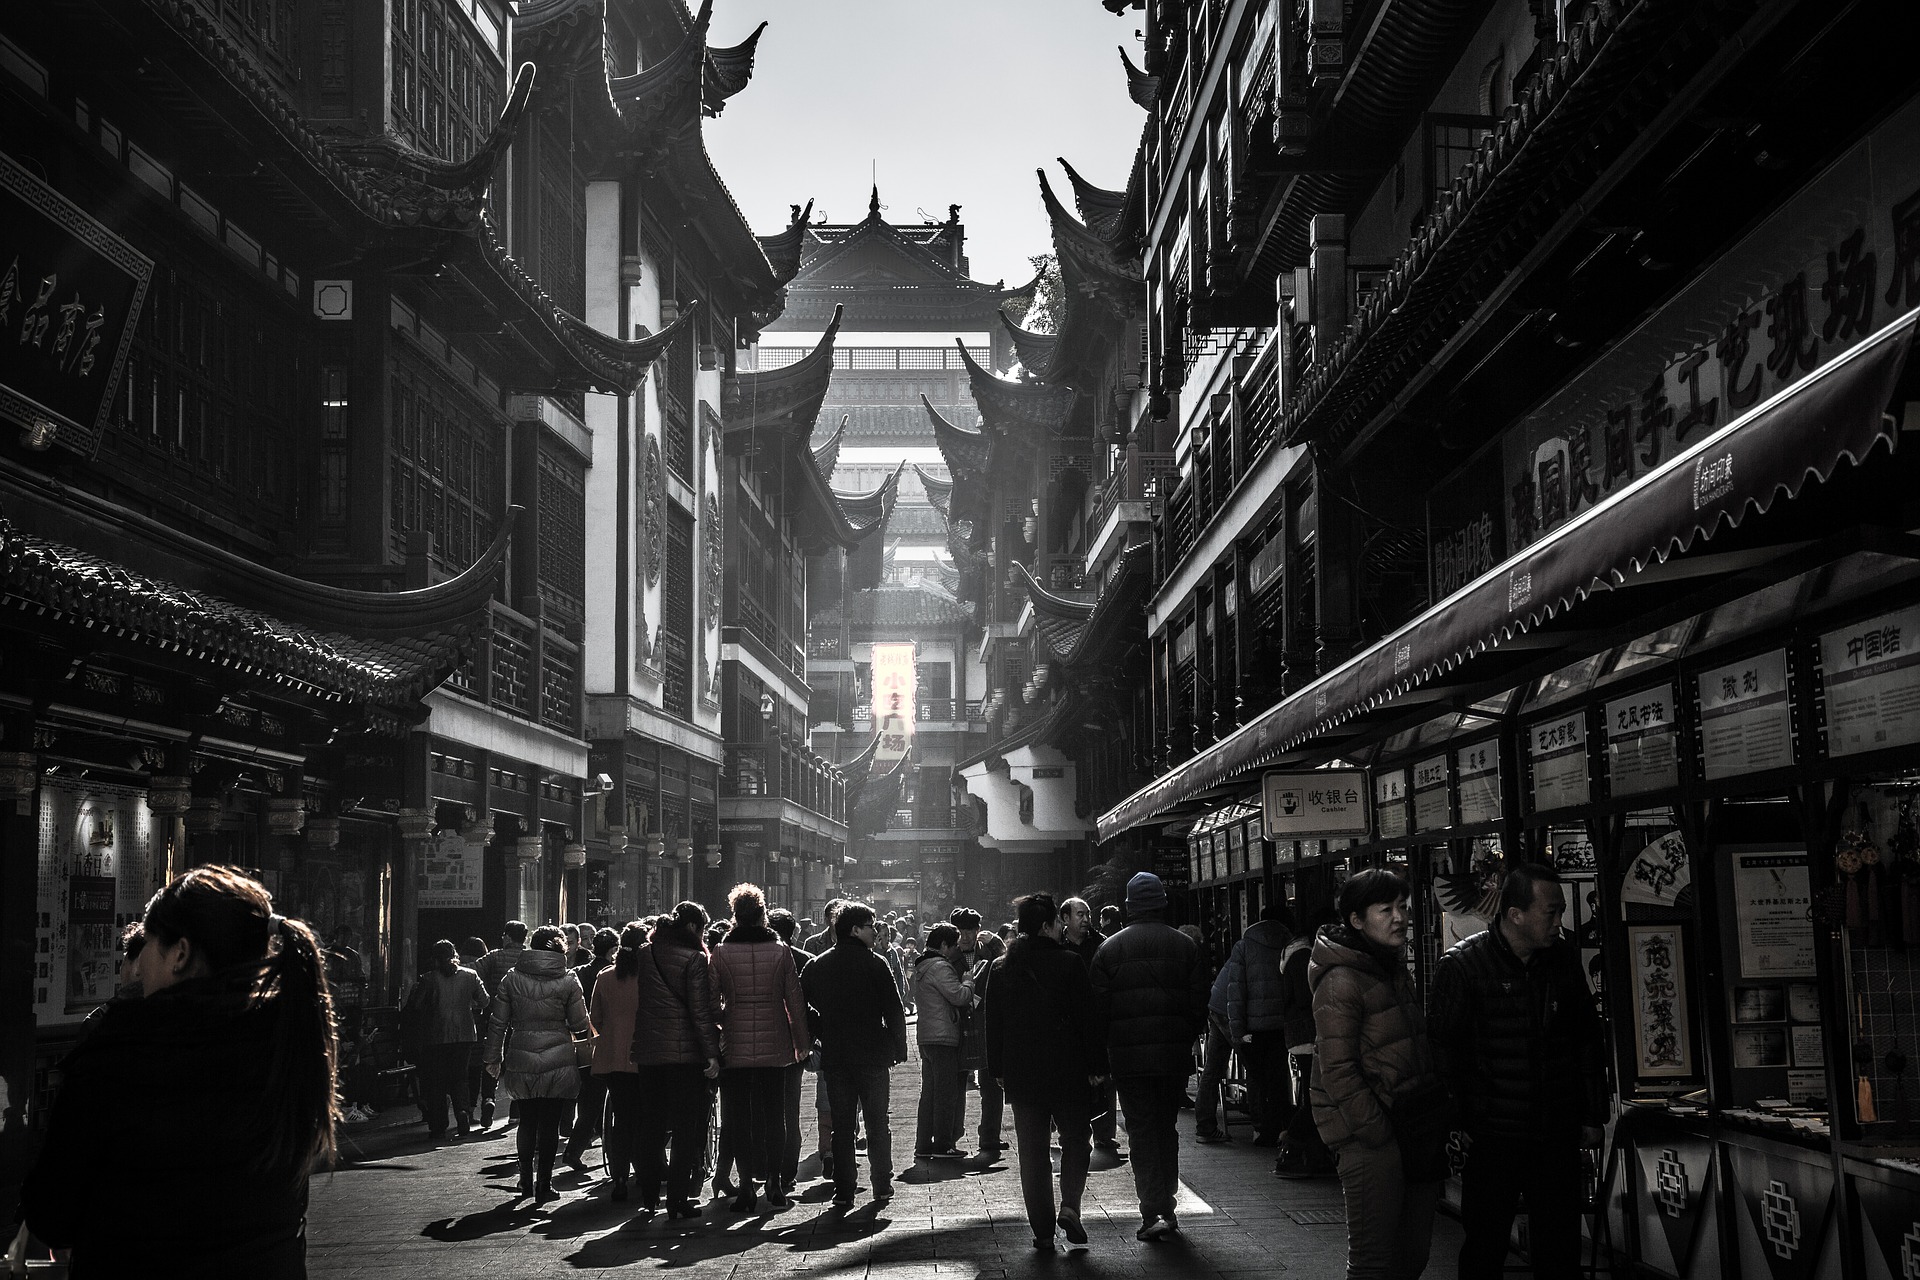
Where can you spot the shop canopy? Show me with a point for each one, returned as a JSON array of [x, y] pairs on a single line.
[[1803, 432]]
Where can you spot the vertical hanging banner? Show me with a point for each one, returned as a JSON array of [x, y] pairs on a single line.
[[893, 701]]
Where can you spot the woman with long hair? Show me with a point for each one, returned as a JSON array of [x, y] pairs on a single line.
[[221, 1077], [763, 1032], [1377, 1096], [540, 1005], [441, 1011], [676, 1050], [616, 1000]]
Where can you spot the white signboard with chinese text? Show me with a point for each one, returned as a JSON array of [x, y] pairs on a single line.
[[893, 697], [1745, 723], [1430, 809], [1872, 675], [453, 874], [1771, 903], [1390, 803], [1557, 749], [1643, 743], [1478, 769], [1316, 804]]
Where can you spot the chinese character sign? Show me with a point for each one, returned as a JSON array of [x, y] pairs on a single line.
[[1316, 804], [1871, 674], [893, 700], [70, 292]]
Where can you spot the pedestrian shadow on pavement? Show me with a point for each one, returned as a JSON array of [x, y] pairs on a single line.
[[513, 1215], [670, 1245]]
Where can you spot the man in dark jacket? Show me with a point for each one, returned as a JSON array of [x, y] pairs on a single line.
[[785, 926], [1080, 937], [1303, 1154], [1519, 1045], [1254, 1020], [1150, 995], [863, 1034], [493, 966], [1045, 1050]]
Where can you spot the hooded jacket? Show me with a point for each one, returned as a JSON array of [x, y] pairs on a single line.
[[1042, 1039], [1253, 979], [1372, 1039], [677, 1013], [763, 1015], [541, 1004], [1519, 1043], [1150, 997], [940, 992]]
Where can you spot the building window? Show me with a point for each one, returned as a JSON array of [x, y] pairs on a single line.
[[676, 617], [1452, 142], [445, 466], [563, 533]]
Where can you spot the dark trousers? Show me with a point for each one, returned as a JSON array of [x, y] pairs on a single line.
[[1151, 1105], [1303, 1135], [993, 1106], [621, 1150], [1215, 1058], [792, 1080], [854, 1091], [1032, 1118], [1498, 1172], [675, 1101], [1106, 1115], [588, 1113], [539, 1132], [940, 1099], [1269, 1081], [753, 1120], [443, 1078]]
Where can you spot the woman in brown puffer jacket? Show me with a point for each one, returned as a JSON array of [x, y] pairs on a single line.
[[763, 1031], [541, 1004], [676, 1042], [1372, 1055]]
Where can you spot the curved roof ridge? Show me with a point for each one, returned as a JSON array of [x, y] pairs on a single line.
[[1037, 351], [1047, 603], [1099, 208], [399, 169], [827, 456], [787, 397], [728, 71], [1006, 405], [967, 451], [784, 248], [1141, 87]]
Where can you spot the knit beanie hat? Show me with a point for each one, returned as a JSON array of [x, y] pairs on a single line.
[[1145, 892]]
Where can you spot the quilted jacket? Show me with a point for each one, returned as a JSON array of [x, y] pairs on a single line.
[[678, 1013], [1150, 993], [1253, 979], [614, 1002], [1372, 1040], [939, 994], [540, 1003], [763, 1016]]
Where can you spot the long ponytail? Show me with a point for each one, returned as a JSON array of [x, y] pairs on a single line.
[[301, 1081]]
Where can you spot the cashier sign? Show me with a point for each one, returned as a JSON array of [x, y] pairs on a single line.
[[1315, 804]]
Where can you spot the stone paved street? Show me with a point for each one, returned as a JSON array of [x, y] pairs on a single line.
[[406, 1209]]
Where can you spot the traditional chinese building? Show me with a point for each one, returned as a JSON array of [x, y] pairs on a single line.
[[1532, 375]]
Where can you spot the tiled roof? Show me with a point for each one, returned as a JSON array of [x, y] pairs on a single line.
[[916, 605]]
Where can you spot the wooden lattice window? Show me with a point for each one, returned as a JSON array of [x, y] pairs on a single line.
[[444, 466], [562, 216], [447, 82], [676, 617], [563, 534]]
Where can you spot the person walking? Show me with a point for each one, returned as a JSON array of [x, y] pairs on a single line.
[[538, 1012], [492, 967], [1083, 939], [217, 1085], [763, 1033], [793, 1085], [863, 1035], [1302, 1153], [973, 1052], [822, 942], [676, 1047], [1045, 1050], [589, 1111], [817, 945], [1216, 1055], [1150, 998], [472, 952], [1254, 1021], [1377, 1096], [441, 1010], [1521, 1047], [615, 1004], [942, 993]]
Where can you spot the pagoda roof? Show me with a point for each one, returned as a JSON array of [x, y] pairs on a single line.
[[826, 456], [939, 491], [785, 401], [1060, 621], [1035, 350], [728, 71], [969, 453], [1017, 413], [864, 510], [1144, 89], [1099, 208], [878, 800], [856, 770], [783, 249]]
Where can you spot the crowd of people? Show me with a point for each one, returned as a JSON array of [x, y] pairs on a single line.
[[222, 1042]]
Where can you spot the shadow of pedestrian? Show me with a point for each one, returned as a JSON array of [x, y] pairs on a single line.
[[514, 1215]]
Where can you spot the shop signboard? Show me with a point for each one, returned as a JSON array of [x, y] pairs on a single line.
[[1431, 811], [750, 837], [1557, 749], [1772, 902], [70, 295], [453, 874], [1871, 672], [1390, 804], [1198, 860], [1642, 743], [1315, 803], [1236, 849], [893, 676], [1477, 769], [1745, 723]]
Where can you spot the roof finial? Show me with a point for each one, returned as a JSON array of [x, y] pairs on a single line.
[[873, 203]]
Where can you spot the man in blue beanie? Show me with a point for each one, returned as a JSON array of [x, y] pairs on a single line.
[[1150, 994]]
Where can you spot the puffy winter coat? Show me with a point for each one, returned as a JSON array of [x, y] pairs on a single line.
[[615, 1000], [442, 1006], [540, 1003], [1150, 995], [856, 1007], [1253, 979], [497, 964], [939, 993], [1296, 997], [1042, 1040], [1372, 1040], [677, 1018], [763, 1016], [1520, 1045]]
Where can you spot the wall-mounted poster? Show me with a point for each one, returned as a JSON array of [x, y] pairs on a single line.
[[1557, 750], [1642, 743], [1390, 803], [1771, 901], [1478, 769], [1871, 672], [453, 874], [1663, 1046], [1431, 811], [1759, 1047], [1745, 723]]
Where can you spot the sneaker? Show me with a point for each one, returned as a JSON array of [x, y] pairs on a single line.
[[1158, 1229], [883, 1193], [843, 1202], [1149, 1230], [1211, 1139], [1076, 1230], [951, 1153]]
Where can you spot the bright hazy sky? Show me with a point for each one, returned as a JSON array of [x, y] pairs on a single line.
[[958, 101]]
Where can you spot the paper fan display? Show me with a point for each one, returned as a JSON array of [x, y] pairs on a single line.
[[1661, 875]]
